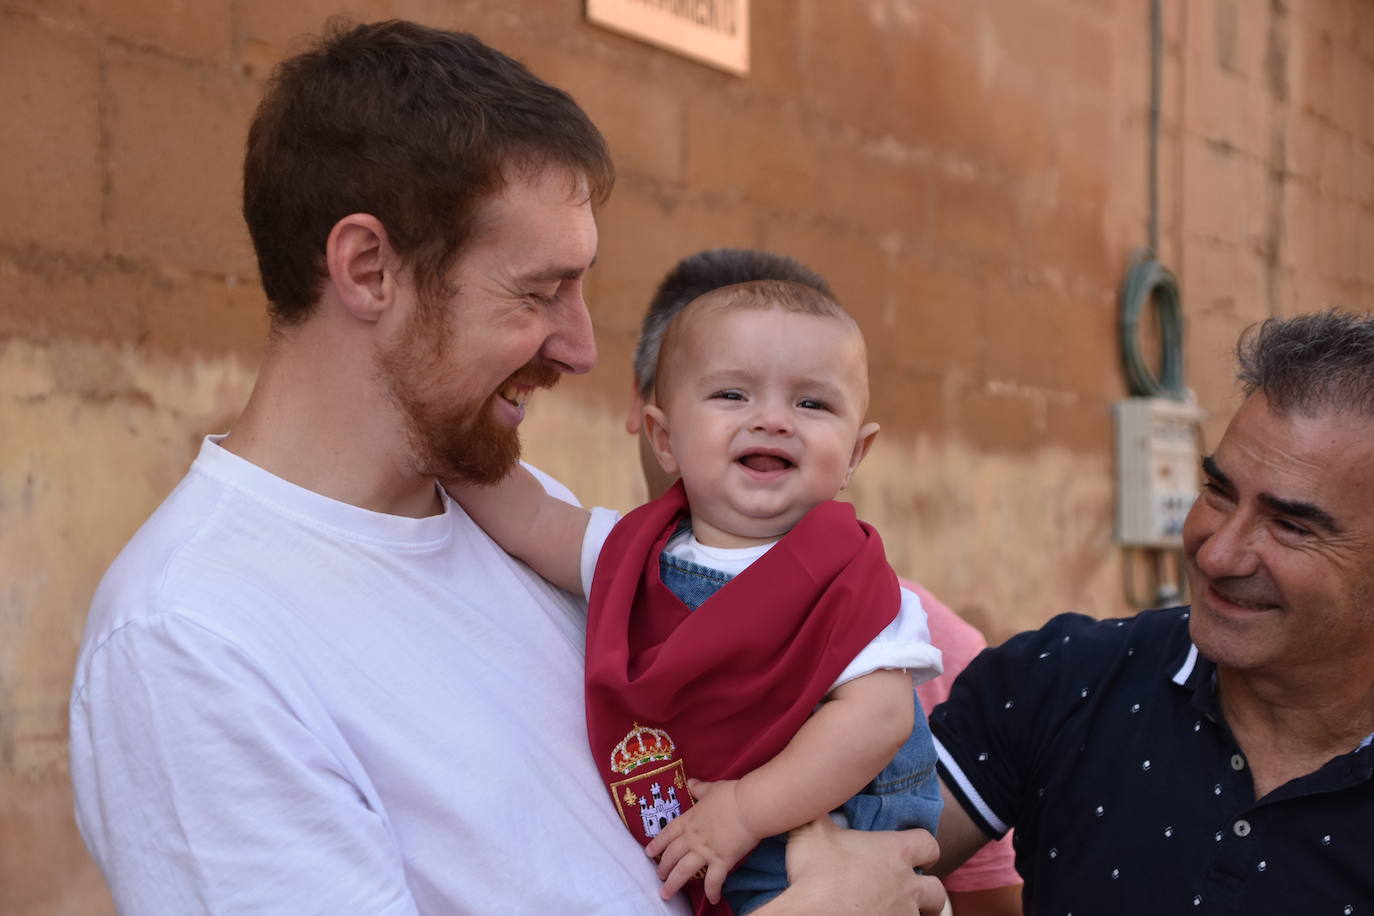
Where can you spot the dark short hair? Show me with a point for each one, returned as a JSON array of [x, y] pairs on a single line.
[[783, 295], [698, 274], [1311, 363], [413, 125]]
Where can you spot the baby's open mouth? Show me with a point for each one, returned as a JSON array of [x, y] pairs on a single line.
[[762, 463]]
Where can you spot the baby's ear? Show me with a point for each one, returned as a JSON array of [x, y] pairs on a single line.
[[656, 431], [862, 443]]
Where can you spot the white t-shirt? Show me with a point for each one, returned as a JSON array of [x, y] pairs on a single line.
[[904, 643], [287, 704]]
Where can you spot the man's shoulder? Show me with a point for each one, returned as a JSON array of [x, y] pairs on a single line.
[[175, 526], [133, 590], [210, 546], [1079, 634], [1072, 653]]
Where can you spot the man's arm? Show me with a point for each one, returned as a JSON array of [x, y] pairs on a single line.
[[528, 523], [834, 872], [836, 752], [960, 837], [987, 884], [1004, 900]]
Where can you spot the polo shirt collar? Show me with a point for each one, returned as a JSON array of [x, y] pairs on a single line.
[[1195, 672]]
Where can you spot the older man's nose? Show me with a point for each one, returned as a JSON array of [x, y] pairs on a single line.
[[1227, 550]]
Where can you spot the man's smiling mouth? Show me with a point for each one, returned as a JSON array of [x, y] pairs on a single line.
[[1239, 602], [515, 394]]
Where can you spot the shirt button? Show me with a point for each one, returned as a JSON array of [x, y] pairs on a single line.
[[1241, 827], [1237, 762]]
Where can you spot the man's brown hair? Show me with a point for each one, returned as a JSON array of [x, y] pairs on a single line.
[[413, 125]]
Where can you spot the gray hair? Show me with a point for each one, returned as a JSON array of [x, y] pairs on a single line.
[[1311, 363], [699, 274]]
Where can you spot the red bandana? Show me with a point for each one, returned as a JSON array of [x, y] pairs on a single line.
[[719, 691]]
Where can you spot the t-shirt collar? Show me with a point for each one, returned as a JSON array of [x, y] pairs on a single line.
[[318, 510]]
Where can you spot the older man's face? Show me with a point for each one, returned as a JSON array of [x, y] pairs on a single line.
[[1280, 545], [461, 368]]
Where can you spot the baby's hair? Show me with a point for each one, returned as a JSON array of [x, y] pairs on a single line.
[[760, 295], [698, 274]]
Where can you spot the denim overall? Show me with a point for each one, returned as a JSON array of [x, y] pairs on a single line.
[[905, 794]]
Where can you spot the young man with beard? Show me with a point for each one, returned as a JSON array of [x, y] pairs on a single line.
[[309, 683]]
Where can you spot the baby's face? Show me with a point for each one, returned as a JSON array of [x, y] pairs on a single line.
[[764, 419]]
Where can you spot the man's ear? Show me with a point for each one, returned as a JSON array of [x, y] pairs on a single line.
[[862, 443], [656, 431], [362, 265], [633, 417]]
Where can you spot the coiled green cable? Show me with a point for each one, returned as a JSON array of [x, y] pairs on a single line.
[[1148, 281]]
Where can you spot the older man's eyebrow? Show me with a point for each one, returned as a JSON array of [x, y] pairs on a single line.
[[1293, 508], [1308, 512], [1209, 467]]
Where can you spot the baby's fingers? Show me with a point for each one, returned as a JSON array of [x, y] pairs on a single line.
[[715, 880], [665, 838], [670, 856], [657, 845], [682, 872]]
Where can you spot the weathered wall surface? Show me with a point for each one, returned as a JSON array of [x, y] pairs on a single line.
[[970, 176]]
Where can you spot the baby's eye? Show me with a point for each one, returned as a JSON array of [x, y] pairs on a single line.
[[729, 395], [813, 404]]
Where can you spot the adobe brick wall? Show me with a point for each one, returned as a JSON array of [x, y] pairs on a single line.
[[970, 176]]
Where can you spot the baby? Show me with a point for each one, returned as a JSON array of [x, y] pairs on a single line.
[[750, 656]]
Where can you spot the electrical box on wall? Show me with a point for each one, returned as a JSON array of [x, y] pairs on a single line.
[[1156, 470]]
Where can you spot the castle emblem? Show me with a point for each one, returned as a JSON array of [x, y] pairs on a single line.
[[657, 811], [657, 794]]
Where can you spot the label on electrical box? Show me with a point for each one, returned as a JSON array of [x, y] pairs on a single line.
[[1156, 470]]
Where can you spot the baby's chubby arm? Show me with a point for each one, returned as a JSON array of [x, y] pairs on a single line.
[[838, 751], [529, 524]]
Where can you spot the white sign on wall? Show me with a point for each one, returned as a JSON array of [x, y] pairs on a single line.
[[715, 32]]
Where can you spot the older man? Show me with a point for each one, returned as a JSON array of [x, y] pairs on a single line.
[[1212, 759], [309, 684], [987, 884]]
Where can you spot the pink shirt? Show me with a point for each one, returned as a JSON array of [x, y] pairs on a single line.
[[993, 865]]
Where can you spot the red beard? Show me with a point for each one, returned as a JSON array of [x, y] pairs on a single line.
[[451, 438]]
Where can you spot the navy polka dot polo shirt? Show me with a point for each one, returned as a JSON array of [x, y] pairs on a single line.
[[1103, 744]]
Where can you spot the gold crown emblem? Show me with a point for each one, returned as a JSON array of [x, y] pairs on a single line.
[[641, 746]]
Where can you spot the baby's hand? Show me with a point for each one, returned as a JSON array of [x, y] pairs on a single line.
[[712, 834]]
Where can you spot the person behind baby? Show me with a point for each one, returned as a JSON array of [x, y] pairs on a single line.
[[760, 401]]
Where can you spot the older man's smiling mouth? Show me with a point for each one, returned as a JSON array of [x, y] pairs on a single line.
[[1223, 597]]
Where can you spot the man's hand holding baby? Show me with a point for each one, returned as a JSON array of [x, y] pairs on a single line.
[[713, 834]]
